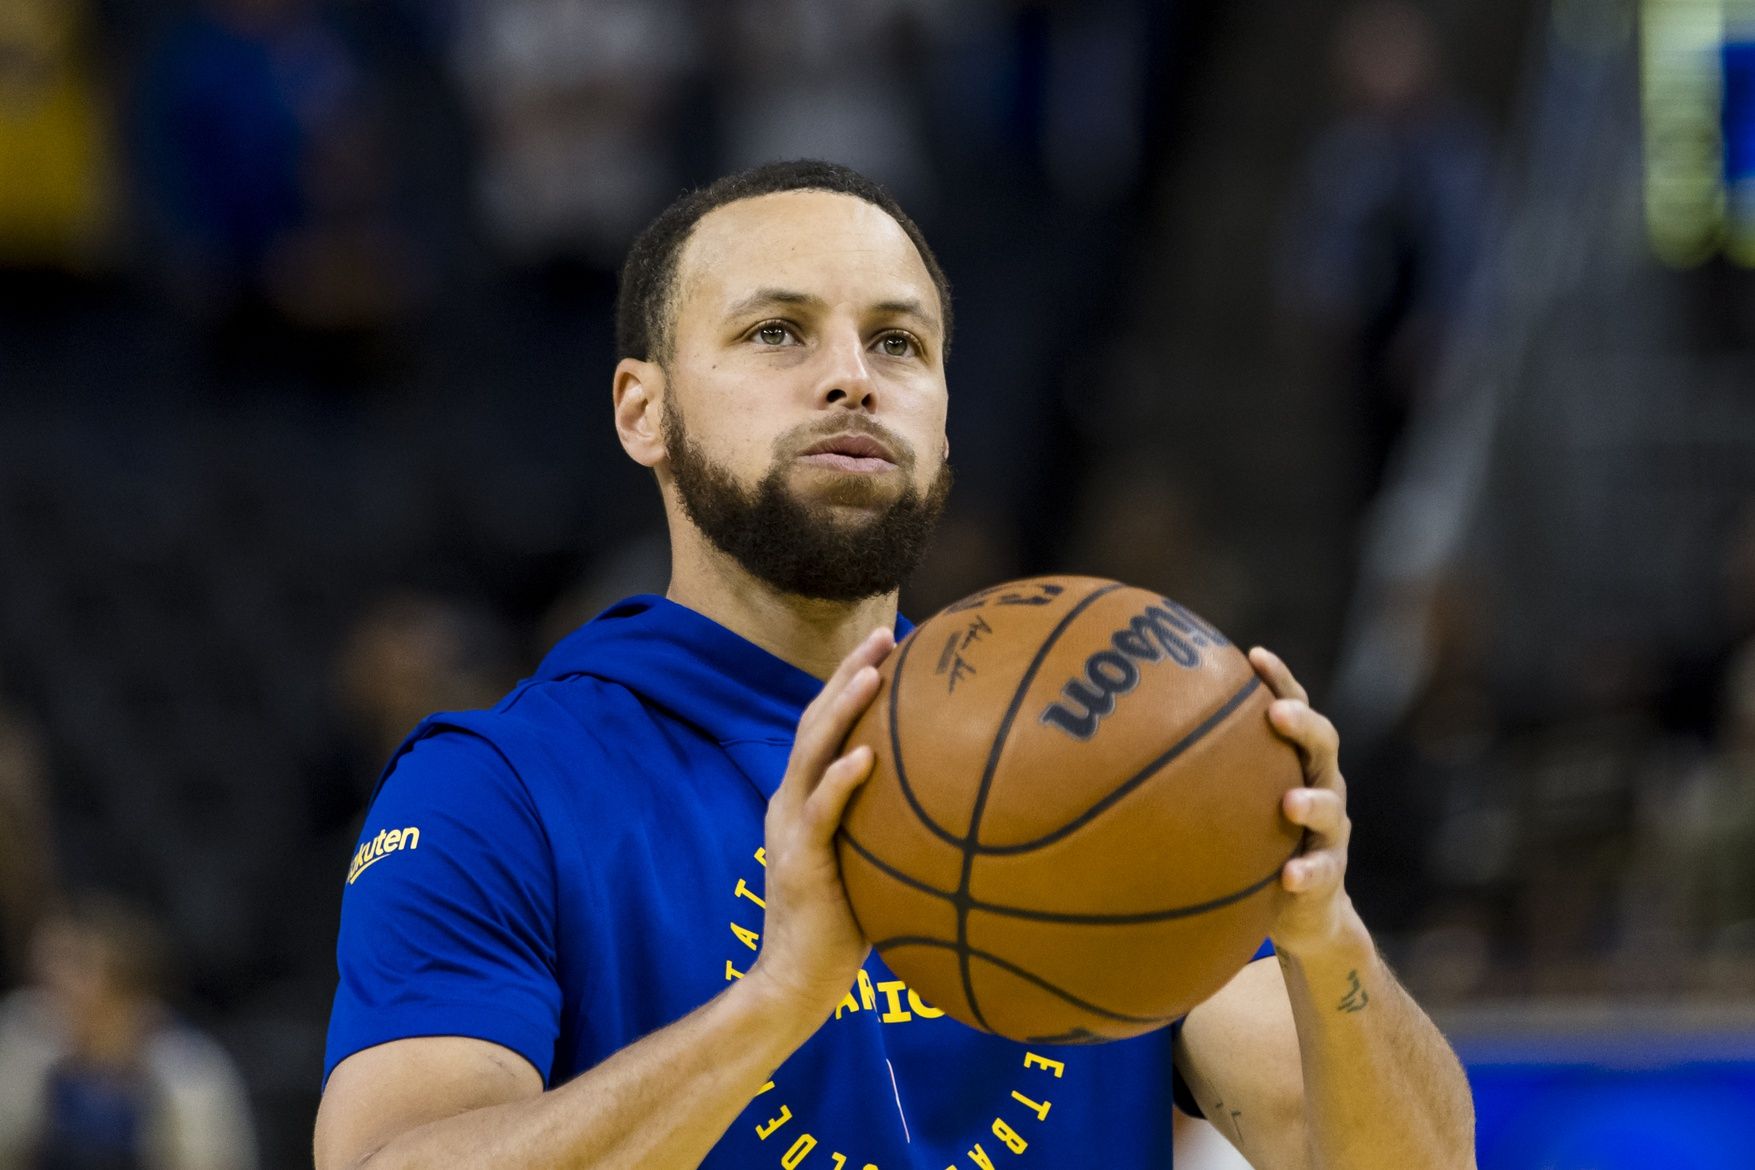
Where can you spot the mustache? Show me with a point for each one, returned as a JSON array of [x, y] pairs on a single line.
[[795, 441]]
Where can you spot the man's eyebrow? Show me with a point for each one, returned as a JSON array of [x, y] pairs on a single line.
[[764, 298], [909, 308], [768, 298]]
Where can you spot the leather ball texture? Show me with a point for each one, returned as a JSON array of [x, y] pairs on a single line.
[[1073, 829]]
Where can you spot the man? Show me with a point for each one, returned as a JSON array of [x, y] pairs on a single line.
[[95, 1070], [602, 925]]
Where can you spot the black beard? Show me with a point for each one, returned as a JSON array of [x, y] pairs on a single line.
[[798, 547]]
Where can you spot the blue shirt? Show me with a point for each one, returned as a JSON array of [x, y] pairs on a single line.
[[582, 865]]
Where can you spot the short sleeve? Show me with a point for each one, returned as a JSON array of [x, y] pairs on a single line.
[[1179, 1090], [448, 918]]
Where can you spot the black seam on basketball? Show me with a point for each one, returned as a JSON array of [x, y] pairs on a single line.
[[999, 738], [892, 871], [1021, 973], [1011, 712], [932, 826], [1067, 918], [1198, 733], [1135, 919]]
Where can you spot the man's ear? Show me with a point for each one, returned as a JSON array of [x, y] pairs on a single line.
[[639, 410]]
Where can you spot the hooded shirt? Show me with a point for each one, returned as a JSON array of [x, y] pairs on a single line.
[[582, 865]]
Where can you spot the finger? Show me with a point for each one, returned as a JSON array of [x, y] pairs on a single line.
[[1314, 873], [1277, 675], [822, 732], [1321, 811], [823, 727], [828, 804], [872, 649], [1310, 731]]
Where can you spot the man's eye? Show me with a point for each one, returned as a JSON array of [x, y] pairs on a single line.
[[772, 334], [897, 345]]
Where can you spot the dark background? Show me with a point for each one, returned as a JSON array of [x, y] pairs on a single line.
[[1341, 324]]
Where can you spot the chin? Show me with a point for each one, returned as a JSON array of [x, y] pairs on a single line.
[[847, 495]]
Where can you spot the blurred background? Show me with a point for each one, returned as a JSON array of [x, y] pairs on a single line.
[[1412, 339]]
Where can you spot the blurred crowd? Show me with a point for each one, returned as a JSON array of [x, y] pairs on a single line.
[[304, 356]]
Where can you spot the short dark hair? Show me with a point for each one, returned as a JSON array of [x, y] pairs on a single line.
[[646, 299]]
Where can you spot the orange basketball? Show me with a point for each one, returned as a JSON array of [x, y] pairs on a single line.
[[1073, 831]]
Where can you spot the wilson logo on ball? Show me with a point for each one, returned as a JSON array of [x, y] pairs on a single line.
[[1166, 631]]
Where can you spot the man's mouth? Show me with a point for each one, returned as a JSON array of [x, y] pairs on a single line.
[[851, 452]]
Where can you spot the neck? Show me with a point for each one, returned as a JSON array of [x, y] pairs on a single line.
[[812, 634]]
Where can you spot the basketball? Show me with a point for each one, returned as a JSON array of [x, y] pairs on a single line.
[[1072, 832]]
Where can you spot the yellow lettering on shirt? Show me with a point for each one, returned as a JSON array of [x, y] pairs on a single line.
[[767, 1128], [1039, 1108], [803, 1146], [386, 843], [895, 1013]]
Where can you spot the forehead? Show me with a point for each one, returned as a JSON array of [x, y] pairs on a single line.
[[835, 246]]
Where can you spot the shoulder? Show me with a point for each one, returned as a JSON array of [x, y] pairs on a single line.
[[533, 776], [497, 781], [510, 749]]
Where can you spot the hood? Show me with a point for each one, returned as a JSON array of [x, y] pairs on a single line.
[[739, 695]]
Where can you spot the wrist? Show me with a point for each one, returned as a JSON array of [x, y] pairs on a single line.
[[776, 1010], [1342, 938]]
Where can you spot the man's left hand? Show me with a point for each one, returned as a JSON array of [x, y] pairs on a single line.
[[1317, 907]]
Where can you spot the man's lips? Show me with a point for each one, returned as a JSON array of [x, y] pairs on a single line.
[[862, 463], [853, 452]]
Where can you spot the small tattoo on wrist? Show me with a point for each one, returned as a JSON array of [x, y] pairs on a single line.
[[1357, 997]]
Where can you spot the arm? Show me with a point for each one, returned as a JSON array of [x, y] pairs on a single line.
[[663, 1102], [1322, 1060], [454, 1102]]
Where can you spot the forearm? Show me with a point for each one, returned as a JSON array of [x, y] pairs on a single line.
[[658, 1104], [1383, 1090]]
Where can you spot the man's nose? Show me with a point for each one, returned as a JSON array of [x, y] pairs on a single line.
[[847, 378]]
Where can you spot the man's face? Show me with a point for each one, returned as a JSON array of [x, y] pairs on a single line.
[[805, 422]]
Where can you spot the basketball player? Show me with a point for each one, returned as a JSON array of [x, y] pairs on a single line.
[[602, 925]]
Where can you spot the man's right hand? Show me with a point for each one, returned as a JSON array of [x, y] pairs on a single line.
[[811, 946]]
